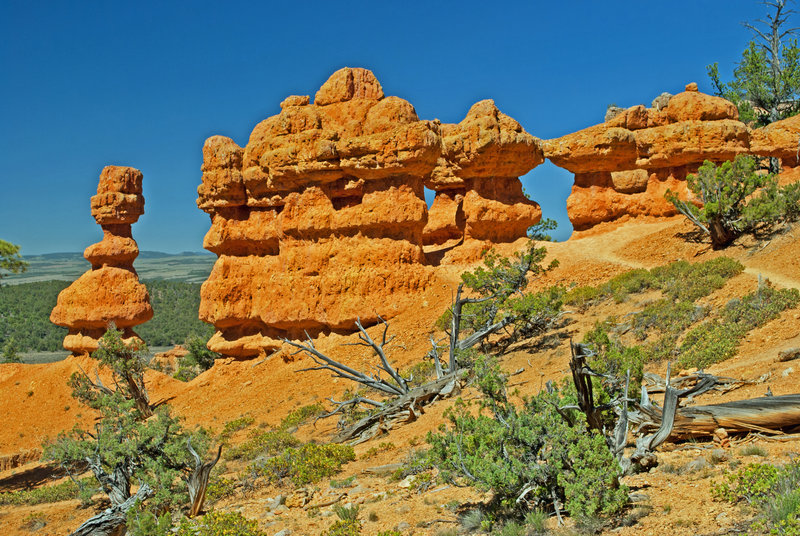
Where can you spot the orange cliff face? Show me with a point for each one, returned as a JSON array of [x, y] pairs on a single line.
[[110, 291], [321, 219], [623, 167]]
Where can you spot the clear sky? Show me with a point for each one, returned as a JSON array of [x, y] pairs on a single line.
[[87, 84]]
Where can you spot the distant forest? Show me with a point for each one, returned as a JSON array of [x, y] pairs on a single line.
[[25, 315]]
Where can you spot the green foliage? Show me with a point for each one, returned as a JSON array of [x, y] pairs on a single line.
[[219, 488], [126, 447], [718, 339], [736, 199], [774, 493], [346, 513], [390, 533], [199, 358], [532, 449], [540, 230], [268, 443], [299, 416], [306, 464], [175, 316], [146, 523], [11, 352], [64, 491], [500, 284], [127, 363], [679, 280], [612, 357], [760, 96], [344, 483], [344, 528], [25, 316], [220, 524], [233, 426], [10, 260]]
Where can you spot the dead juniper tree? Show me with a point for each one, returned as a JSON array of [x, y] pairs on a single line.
[[402, 402], [129, 449]]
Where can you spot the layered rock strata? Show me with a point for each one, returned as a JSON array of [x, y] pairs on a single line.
[[110, 291], [321, 219], [476, 179], [624, 166]]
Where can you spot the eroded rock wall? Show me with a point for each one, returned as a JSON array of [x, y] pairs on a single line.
[[110, 291], [623, 167], [321, 219]]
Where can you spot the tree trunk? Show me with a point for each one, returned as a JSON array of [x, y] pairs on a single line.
[[111, 521]]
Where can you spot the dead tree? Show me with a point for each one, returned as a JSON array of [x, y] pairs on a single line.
[[197, 480], [616, 436], [404, 403]]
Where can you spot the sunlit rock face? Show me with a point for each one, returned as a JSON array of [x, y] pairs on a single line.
[[110, 291], [623, 167], [321, 219]]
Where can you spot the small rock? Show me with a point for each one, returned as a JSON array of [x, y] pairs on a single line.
[[356, 490], [722, 518], [402, 526], [281, 508], [403, 509], [787, 371], [789, 354], [695, 465], [284, 532], [691, 86], [406, 482]]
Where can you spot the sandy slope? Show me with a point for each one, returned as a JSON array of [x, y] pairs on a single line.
[[36, 404]]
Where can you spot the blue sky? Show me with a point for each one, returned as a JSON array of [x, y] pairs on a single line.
[[86, 84]]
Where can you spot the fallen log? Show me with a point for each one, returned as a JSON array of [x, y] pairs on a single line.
[[766, 414]]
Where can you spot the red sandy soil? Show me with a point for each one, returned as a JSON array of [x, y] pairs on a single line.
[[36, 402]]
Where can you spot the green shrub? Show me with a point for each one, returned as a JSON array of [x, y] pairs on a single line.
[[64, 491], [235, 425], [344, 528], [301, 415], [612, 357], [219, 488], [736, 199], [718, 339], [306, 464], [220, 524], [666, 316], [532, 448], [266, 443], [751, 483]]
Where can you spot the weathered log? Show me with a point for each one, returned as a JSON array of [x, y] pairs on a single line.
[[768, 414]]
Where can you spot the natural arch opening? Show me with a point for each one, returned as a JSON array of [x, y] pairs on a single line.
[[550, 185]]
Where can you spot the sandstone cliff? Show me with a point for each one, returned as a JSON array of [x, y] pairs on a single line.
[[321, 218], [624, 166], [110, 291]]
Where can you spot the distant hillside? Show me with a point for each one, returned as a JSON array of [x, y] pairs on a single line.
[[191, 267], [25, 315]]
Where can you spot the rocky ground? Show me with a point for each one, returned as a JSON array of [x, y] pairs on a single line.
[[36, 402]]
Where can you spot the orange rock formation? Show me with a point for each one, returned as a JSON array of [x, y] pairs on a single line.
[[110, 291], [625, 165], [320, 219]]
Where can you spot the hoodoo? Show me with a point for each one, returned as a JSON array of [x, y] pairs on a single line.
[[624, 166], [110, 291], [321, 218]]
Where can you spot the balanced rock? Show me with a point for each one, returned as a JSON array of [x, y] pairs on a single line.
[[110, 291], [320, 219]]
